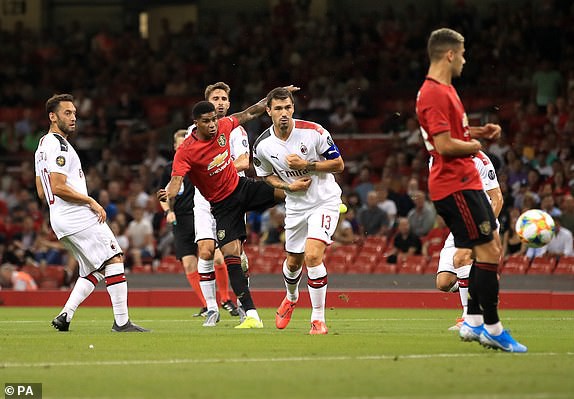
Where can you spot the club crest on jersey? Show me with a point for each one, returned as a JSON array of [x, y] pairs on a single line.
[[221, 140], [60, 161], [304, 149], [256, 161], [330, 141], [485, 228], [220, 234], [491, 174]]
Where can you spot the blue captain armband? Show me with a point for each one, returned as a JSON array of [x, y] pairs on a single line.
[[332, 152]]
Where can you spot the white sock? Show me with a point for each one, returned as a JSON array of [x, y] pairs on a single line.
[[474, 320], [292, 282], [117, 287], [494, 329], [463, 292], [206, 270], [253, 313], [82, 289], [317, 282]]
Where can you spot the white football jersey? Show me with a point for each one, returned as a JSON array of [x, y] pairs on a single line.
[[239, 144], [308, 140], [489, 182], [56, 155]]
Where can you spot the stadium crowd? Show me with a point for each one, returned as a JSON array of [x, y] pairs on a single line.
[[358, 76]]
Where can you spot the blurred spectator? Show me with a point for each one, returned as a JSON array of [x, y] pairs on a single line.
[[345, 234], [372, 219], [511, 243], [567, 217], [547, 204], [560, 245], [404, 242], [140, 236], [10, 277], [341, 120], [153, 159], [412, 133], [274, 232], [547, 85], [363, 184], [387, 205], [422, 217]]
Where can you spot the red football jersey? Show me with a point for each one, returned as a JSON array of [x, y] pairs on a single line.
[[208, 164], [439, 110]]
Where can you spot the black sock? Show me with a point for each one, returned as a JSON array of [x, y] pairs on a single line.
[[239, 281], [473, 306], [487, 286]]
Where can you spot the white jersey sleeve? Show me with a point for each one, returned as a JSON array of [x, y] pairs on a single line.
[[486, 171], [239, 144]]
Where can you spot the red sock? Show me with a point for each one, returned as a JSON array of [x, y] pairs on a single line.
[[193, 279], [222, 281]]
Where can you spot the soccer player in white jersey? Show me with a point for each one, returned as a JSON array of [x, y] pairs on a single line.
[[455, 263], [78, 220], [288, 154]]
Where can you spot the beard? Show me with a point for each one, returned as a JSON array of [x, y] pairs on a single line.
[[64, 128]]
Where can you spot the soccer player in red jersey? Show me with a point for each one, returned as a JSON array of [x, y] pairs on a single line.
[[205, 157], [456, 189]]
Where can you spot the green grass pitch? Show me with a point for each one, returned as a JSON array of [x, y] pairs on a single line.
[[368, 353]]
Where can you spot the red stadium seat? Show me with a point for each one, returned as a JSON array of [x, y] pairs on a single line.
[[53, 276], [542, 265], [338, 263], [170, 264], [516, 264], [364, 264], [565, 265], [143, 269], [412, 264], [432, 265]]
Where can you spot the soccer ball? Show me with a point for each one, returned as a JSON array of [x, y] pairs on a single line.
[[535, 228]]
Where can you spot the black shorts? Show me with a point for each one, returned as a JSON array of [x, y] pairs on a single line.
[[469, 217], [229, 214], [184, 236]]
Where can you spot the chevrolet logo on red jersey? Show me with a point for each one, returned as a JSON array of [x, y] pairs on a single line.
[[218, 160]]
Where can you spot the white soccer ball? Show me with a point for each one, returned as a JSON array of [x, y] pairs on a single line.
[[535, 228]]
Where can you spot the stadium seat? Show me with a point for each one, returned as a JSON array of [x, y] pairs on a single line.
[[143, 269], [516, 264], [363, 264], [432, 264], [412, 264], [565, 265], [33, 271], [374, 245], [338, 263], [542, 265], [169, 264], [53, 276]]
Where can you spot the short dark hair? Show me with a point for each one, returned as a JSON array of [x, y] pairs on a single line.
[[442, 40], [219, 85], [278, 93], [202, 107], [53, 103]]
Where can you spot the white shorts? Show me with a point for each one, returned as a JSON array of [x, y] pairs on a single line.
[[92, 247], [446, 260], [205, 225], [317, 223]]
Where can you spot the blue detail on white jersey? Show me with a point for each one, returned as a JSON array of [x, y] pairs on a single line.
[[332, 152]]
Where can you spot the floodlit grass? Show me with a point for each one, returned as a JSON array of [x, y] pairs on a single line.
[[369, 353]]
